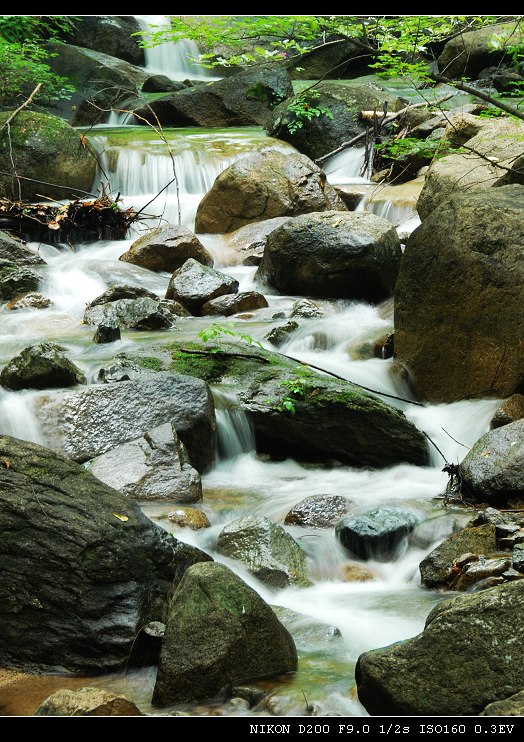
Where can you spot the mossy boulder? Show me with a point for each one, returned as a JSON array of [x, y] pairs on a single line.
[[86, 702], [219, 631], [43, 148], [42, 366], [331, 418], [470, 654], [466, 54]]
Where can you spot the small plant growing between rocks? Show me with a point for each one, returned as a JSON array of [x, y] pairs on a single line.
[[305, 108]]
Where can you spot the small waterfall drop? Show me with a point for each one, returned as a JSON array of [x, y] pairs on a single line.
[[17, 417], [346, 167], [172, 59], [234, 429]]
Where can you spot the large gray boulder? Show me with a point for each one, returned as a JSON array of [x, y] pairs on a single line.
[[493, 157], [86, 423], [86, 702], [266, 548], [42, 366], [194, 284], [243, 99], [166, 249], [43, 147], [466, 54], [110, 34], [469, 655], [82, 567], [332, 254], [228, 304], [493, 471], [322, 134], [218, 632], [153, 467], [318, 511], [263, 186], [458, 298], [436, 570], [377, 533], [332, 419], [101, 82], [136, 314]]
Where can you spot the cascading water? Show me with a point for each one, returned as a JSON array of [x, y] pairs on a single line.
[[173, 59], [387, 608]]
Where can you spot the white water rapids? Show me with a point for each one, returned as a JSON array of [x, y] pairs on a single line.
[[388, 608]]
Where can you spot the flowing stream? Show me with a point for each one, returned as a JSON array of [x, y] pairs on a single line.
[[336, 619]]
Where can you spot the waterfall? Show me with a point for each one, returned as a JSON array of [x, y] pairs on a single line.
[[172, 59], [346, 167], [234, 429], [17, 417]]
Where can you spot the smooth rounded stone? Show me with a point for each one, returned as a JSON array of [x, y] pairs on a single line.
[[320, 135], [267, 549], [470, 52], [108, 331], [111, 34], [43, 144], [229, 304], [189, 518], [154, 467], [14, 251], [244, 99], [219, 632], [475, 641], [42, 366], [512, 706], [32, 300], [136, 314], [88, 422], [279, 335], [498, 161], [517, 557], [482, 570], [15, 281], [493, 470], [511, 410], [167, 249], [318, 511], [356, 573], [376, 534], [162, 84], [306, 309], [249, 242], [458, 298], [103, 568], [86, 702], [194, 284], [436, 569], [263, 186], [330, 254]]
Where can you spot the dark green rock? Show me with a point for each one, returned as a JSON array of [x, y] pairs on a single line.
[[333, 419], [16, 281], [108, 331], [228, 304], [15, 252], [375, 534], [512, 706], [219, 632], [436, 568], [329, 254], [266, 548], [278, 335], [41, 366], [110, 34], [243, 99], [517, 557], [162, 84], [493, 470], [43, 147], [136, 314], [470, 654], [82, 567]]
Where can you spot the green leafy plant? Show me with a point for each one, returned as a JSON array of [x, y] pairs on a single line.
[[305, 108], [293, 389], [426, 149], [217, 330]]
